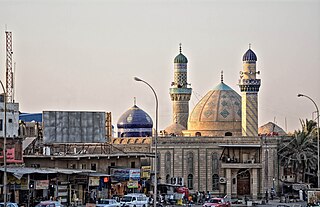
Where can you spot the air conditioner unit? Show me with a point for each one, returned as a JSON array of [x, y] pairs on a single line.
[[222, 180], [180, 181]]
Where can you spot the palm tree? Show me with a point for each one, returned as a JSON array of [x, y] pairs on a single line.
[[300, 152]]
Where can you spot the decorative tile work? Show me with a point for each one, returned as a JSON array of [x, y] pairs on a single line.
[[224, 113], [224, 103], [208, 113], [239, 112]]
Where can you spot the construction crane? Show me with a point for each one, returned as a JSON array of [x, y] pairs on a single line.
[[9, 70]]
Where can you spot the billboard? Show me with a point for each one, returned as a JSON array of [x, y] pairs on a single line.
[[73, 127], [125, 174]]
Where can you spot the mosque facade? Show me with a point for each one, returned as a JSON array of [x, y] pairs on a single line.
[[216, 148]]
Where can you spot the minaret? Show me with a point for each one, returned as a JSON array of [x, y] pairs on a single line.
[[179, 92], [249, 86]]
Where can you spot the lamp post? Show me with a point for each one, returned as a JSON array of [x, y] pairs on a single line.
[[318, 171], [155, 143], [4, 152]]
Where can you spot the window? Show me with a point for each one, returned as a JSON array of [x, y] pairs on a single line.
[[167, 164], [113, 164], [93, 166], [83, 166], [168, 180], [228, 134], [198, 134], [215, 182], [1, 124], [10, 120], [190, 163], [133, 164], [73, 166], [158, 162], [215, 163], [190, 181]]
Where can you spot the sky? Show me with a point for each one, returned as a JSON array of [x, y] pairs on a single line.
[[82, 55]]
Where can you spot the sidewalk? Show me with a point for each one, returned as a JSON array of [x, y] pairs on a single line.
[[274, 203]]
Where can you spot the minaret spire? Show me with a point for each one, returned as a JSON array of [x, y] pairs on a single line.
[[134, 101], [249, 45], [180, 47], [221, 76]]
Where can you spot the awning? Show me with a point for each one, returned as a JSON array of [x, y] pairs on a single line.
[[240, 145], [27, 141], [18, 172], [96, 174]]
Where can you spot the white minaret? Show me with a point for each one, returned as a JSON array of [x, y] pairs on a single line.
[[249, 86], [179, 92]]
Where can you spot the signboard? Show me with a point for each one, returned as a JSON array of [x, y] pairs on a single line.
[[41, 184], [94, 181], [134, 174], [73, 127], [145, 172], [125, 174], [132, 184]]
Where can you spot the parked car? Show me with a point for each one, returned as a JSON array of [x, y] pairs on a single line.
[[9, 204], [134, 200], [49, 204], [108, 203], [217, 202]]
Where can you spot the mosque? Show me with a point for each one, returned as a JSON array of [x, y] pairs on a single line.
[[217, 147]]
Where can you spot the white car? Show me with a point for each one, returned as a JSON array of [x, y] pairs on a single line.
[[135, 200], [108, 203]]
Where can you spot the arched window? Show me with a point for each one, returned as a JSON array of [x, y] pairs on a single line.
[[198, 134], [158, 162], [215, 182], [190, 163], [190, 181], [167, 164], [168, 179], [215, 163], [228, 134]]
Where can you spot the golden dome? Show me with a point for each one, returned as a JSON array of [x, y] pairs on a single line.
[[218, 113], [174, 129]]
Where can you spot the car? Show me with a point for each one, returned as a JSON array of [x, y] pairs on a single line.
[[135, 200], [49, 204], [108, 203], [9, 204], [217, 202]]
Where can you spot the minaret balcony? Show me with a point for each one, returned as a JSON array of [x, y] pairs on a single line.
[[250, 82], [180, 90]]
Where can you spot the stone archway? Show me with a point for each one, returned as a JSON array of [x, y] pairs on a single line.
[[243, 182]]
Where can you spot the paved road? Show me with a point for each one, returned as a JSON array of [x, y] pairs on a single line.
[[271, 203]]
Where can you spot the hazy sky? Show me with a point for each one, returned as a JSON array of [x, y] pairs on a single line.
[[83, 55]]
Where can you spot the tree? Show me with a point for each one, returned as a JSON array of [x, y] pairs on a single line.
[[300, 151]]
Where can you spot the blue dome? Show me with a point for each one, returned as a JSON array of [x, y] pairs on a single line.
[[134, 123], [180, 59], [249, 56]]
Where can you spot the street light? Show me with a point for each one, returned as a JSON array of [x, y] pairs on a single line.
[[4, 145], [155, 143], [318, 172]]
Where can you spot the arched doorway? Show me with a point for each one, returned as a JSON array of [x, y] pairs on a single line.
[[243, 182]]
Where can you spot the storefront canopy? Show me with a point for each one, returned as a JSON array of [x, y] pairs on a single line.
[[18, 172]]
